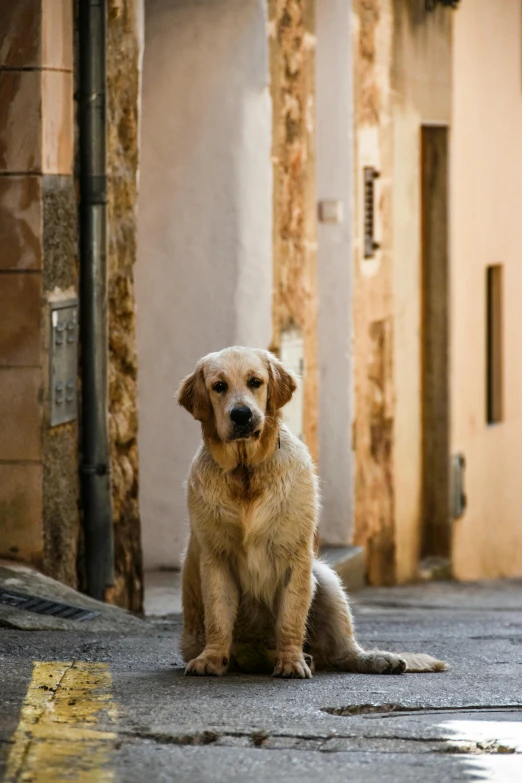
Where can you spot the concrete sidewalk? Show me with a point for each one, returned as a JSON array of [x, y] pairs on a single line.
[[157, 725]]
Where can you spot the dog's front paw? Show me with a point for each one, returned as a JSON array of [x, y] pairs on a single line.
[[292, 666], [207, 665]]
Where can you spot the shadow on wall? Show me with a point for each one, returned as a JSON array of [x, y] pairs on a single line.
[[203, 277]]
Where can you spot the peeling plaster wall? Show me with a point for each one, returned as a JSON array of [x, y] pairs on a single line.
[[402, 71], [204, 274], [124, 51], [373, 429], [292, 72]]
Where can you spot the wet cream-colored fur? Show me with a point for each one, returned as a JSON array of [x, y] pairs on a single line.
[[254, 596]]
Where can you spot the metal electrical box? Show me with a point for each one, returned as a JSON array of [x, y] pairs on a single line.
[[459, 500], [63, 351]]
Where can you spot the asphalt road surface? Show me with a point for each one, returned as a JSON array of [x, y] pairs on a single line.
[[113, 705]]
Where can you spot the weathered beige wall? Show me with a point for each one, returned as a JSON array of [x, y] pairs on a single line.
[[402, 61], [124, 50], [486, 198], [292, 85], [421, 83]]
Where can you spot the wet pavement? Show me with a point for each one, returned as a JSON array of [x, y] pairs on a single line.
[[115, 706]]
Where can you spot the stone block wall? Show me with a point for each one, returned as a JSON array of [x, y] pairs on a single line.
[[39, 517], [39, 464]]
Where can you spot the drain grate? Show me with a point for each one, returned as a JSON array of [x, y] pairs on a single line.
[[32, 603]]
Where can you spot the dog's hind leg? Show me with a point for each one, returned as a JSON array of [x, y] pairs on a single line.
[[331, 636]]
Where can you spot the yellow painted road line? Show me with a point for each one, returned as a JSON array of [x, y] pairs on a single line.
[[62, 733]]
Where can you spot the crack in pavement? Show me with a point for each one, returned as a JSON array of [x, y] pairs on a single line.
[[309, 742], [399, 710], [364, 607]]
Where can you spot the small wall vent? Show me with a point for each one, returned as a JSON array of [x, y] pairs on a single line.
[[370, 245]]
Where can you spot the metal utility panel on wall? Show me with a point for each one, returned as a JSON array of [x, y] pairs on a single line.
[[63, 362], [292, 356]]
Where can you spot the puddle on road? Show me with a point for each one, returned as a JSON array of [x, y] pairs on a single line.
[[492, 750]]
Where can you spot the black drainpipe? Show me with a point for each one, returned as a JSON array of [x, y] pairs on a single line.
[[96, 486]]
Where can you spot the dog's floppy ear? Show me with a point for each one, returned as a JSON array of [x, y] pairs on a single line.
[[193, 395], [281, 384]]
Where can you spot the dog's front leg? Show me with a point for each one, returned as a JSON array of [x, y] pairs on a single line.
[[220, 601], [294, 605]]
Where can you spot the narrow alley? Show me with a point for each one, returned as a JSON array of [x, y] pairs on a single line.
[[331, 190]]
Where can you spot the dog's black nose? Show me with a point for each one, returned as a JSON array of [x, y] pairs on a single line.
[[241, 414]]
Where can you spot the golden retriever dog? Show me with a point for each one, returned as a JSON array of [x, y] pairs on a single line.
[[255, 598]]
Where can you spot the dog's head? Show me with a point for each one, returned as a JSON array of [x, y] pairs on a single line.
[[234, 391]]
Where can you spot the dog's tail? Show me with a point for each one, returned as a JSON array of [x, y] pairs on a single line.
[[421, 662]]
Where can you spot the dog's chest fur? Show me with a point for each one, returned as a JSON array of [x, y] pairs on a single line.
[[256, 542], [252, 524]]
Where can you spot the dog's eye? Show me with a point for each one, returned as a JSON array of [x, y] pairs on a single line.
[[220, 387], [255, 383]]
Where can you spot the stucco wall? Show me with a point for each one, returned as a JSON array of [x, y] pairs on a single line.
[[402, 62], [334, 164], [421, 82], [373, 303], [486, 197], [205, 225]]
